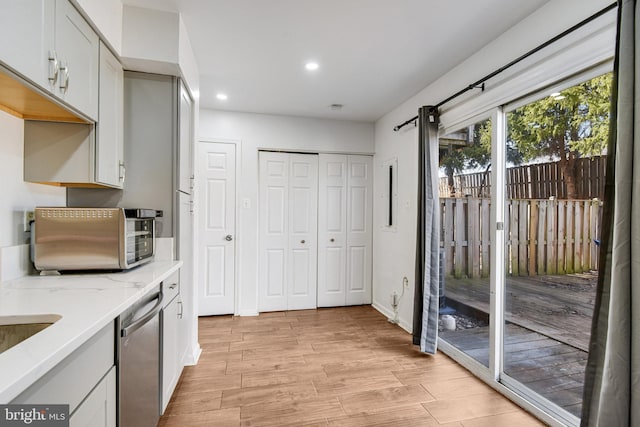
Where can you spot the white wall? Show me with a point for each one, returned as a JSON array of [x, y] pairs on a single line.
[[394, 252], [17, 195], [107, 18], [261, 131], [156, 41]]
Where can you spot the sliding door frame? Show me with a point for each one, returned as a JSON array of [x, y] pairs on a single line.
[[494, 375]]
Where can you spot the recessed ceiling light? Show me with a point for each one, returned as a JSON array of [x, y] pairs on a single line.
[[222, 96], [311, 66]]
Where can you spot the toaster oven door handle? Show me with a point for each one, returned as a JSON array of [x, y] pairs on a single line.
[[128, 330]]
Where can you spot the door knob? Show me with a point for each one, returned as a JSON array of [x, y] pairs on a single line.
[[228, 237], [302, 241]]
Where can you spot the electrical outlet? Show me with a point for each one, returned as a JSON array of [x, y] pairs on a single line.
[[405, 282], [28, 217]]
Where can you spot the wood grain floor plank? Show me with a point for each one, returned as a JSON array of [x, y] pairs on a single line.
[[457, 387], [328, 367], [459, 409], [520, 419], [407, 416], [223, 417], [290, 375], [337, 387], [383, 399], [268, 394], [282, 363], [195, 402], [291, 413], [270, 353], [431, 374]]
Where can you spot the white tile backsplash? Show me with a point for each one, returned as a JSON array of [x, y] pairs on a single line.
[[14, 262], [164, 249]]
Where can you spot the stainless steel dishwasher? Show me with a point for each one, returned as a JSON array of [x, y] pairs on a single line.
[[139, 362]]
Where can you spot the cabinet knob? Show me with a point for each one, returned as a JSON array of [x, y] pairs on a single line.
[[332, 239], [228, 237], [302, 241]]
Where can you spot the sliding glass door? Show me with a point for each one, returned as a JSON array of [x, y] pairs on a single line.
[[520, 281], [465, 206]]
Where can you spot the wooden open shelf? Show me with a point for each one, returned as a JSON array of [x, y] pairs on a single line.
[[23, 101]]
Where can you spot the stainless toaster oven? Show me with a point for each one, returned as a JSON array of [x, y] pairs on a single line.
[[92, 238]]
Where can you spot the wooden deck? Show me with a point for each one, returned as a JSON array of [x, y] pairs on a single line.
[[547, 334]]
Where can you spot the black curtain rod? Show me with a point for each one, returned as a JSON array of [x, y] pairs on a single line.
[[480, 83]]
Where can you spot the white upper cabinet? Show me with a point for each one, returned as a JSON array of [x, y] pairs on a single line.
[[77, 48], [26, 29], [50, 43], [185, 141], [110, 134]]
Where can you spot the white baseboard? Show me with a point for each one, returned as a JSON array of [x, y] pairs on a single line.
[[247, 313], [192, 357], [389, 314]]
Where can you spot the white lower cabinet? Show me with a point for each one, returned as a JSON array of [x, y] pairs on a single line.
[[99, 408], [85, 380], [172, 348]]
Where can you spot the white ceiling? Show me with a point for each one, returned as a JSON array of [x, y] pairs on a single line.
[[373, 54]]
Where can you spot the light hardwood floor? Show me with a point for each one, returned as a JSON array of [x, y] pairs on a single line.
[[328, 367]]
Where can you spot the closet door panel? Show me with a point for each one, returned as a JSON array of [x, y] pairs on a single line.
[[359, 229], [274, 238], [332, 230], [303, 231]]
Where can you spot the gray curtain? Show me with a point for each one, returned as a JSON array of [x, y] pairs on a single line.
[[612, 381], [425, 308]]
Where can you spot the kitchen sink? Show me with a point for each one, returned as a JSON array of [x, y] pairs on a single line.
[[15, 329]]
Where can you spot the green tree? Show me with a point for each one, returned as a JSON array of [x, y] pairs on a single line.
[[468, 148], [564, 127]]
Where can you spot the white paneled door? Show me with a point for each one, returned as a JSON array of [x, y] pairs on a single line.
[[216, 228], [288, 231], [345, 230]]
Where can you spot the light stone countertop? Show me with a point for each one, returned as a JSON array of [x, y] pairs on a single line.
[[86, 302]]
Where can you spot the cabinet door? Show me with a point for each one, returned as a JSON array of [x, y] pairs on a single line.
[[99, 408], [171, 359], [185, 141], [26, 38], [77, 47], [110, 140]]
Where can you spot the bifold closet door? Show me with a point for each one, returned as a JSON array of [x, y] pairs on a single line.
[[345, 229], [288, 225]]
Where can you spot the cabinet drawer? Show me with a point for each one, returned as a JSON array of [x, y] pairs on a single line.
[[171, 287], [73, 378]]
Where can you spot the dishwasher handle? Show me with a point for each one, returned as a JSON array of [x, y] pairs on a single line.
[[144, 319]]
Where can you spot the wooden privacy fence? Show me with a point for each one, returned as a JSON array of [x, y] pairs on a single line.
[[542, 236], [536, 181]]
